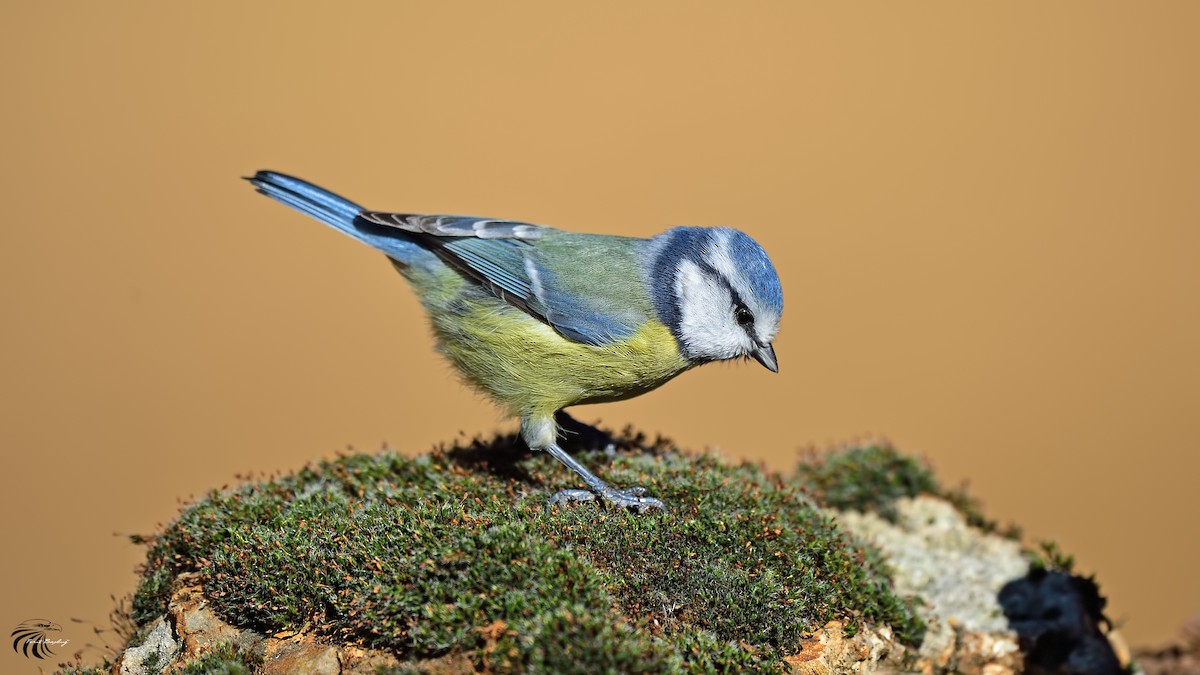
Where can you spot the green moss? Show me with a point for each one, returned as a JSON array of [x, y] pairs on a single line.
[[153, 591], [865, 478], [150, 662], [1049, 557], [872, 477], [455, 553], [223, 659]]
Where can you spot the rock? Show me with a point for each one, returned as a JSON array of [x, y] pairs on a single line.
[[304, 658], [156, 652], [957, 571], [199, 631], [196, 623], [831, 651]]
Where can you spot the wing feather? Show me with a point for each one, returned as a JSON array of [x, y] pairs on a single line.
[[458, 226], [507, 259]]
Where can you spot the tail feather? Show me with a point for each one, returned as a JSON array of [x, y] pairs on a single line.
[[340, 213], [317, 202]]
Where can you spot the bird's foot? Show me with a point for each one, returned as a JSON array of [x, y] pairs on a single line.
[[634, 498]]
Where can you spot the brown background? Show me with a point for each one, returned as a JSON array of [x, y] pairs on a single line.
[[985, 220]]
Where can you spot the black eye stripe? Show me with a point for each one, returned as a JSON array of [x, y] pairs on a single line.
[[741, 313], [709, 269]]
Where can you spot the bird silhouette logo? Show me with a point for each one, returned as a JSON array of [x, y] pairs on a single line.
[[30, 638]]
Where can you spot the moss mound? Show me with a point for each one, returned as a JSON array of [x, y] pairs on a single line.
[[872, 476], [865, 478], [456, 553]]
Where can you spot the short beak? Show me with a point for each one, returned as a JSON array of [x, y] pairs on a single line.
[[766, 356]]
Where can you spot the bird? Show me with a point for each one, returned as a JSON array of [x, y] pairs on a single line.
[[540, 319]]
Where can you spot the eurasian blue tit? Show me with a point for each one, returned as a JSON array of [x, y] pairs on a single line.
[[541, 319]]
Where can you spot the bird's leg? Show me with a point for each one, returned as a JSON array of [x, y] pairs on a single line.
[[585, 434], [631, 499]]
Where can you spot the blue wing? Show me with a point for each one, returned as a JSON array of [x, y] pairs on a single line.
[[523, 264]]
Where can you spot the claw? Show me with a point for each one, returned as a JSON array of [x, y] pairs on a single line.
[[628, 499], [564, 497], [633, 498]]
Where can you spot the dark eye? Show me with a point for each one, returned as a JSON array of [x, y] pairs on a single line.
[[743, 315]]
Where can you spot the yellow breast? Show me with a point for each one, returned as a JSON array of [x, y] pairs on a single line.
[[528, 368]]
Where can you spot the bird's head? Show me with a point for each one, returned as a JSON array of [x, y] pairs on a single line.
[[40, 625], [718, 292]]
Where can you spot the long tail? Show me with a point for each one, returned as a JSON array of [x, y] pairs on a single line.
[[340, 213]]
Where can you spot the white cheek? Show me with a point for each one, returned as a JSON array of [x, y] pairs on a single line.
[[706, 324]]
